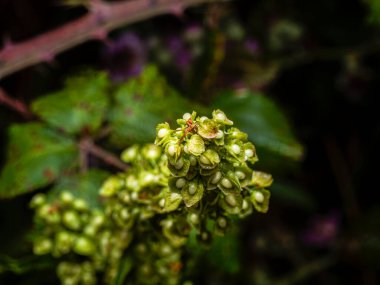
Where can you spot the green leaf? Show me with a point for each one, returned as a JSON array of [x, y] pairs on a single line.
[[79, 107], [36, 157], [83, 185], [125, 267], [141, 104], [262, 119], [224, 252]]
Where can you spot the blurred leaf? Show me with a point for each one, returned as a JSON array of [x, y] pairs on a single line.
[[124, 268], [141, 104], [224, 252], [264, 122], [25, 264], [374, 11], [83, 185], [292, 195], [36, 157], [80, 106]]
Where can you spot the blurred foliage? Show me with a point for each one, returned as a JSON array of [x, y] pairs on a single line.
[[265, 124], [37, 156], [301, 78]]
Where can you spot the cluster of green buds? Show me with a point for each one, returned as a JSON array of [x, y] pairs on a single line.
[[188, 184], [210, 164], [81, 238]]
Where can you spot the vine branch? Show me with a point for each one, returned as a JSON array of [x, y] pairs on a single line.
[[87, 146], [101, 18], [14, 104]]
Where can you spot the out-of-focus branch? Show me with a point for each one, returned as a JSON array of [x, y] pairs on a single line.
[[14, 104], [101, 18], [87, 146]]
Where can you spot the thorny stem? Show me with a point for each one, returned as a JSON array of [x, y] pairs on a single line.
[[87, 146], [14, 104], [102, 18]]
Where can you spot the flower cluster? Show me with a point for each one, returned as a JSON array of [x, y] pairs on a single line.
[[80, 237], [210, 162], [187, 184]]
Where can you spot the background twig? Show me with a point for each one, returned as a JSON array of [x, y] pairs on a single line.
[[103, 18], [14, 104]]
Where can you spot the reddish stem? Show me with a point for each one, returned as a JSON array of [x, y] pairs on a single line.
[[102, 18], [14, 104], [87, 146]]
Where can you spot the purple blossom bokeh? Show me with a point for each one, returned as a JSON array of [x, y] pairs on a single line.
[[125, 57], [323, 230]]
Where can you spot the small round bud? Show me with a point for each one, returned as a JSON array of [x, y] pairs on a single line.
[[194, 218], [162, 133], [220, 134], [222, 222], [235, 149], [245, 205], [161, 203], [192, 188], [179, 164], [203, 118], [240, 175], [249, 153], [172, 149], [71, 220], [186, 116], [66, 197], [226, 183], [180, 183], [259, 197], [134, 196], [38, 200], [42, 246], [80, 204], [193, 160], [231, 200], [216, 177], [124, 214], [204, 160], [84, 246], [166, 250], [220, 116]]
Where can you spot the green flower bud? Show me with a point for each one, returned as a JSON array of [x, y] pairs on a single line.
[[260, 200], [250, 152], [63, 241], [261, 179], [172, 201], [193, 218], [66, 197], [180, 183], [186, 116], [236, 134], [209, 159], [71, 220], [80, 205], [173, 150], [38, 200], [208, 129], [111, 186], [222, 222], [84, 246], [42, 246], [226, 183], [192, 193], [195, 145], [221, 118], [130, 154], [151, 152], [163, 133]]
